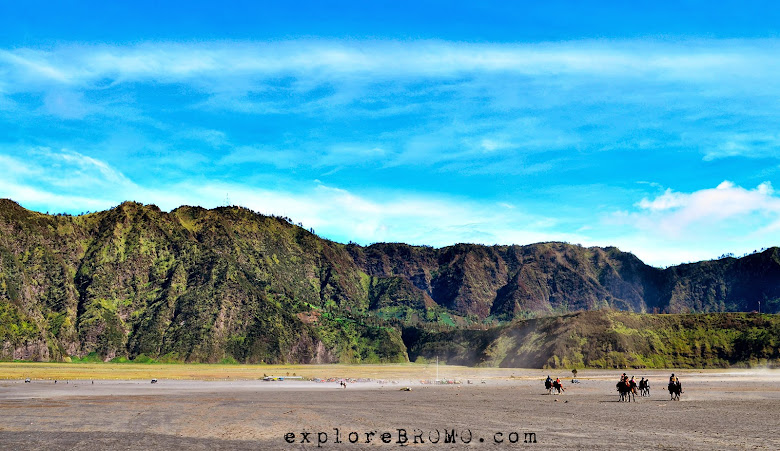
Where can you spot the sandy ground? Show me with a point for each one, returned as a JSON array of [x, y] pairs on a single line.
[[718, 410]]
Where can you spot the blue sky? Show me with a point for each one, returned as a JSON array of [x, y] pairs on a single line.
[[653, 127]]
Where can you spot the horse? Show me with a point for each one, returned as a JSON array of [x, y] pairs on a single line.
[[644, 387], [675, 390], [558, 386], [626, 391]]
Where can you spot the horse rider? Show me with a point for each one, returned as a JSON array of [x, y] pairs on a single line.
[[557, 384], [674, 382]]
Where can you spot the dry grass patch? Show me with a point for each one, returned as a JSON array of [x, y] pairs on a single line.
[[136, 371]]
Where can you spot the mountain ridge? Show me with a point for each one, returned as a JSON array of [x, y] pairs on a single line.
[[195, 284]]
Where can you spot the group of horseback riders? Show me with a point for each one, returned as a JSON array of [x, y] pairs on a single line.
[[551, 385], [627, 387], [643, 386]]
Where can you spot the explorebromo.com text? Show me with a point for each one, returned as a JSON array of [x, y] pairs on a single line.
[[403, 437]]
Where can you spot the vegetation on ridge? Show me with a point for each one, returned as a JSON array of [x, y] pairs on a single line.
[[610, 340], [229, 284]]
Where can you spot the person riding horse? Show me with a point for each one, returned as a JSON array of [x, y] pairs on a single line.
[[626, 387], [557, 385], [551, 385], [675, 388], [644, 387]]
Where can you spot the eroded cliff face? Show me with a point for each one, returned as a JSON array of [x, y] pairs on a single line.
[[609, 339], [35, 350], [207, 285]]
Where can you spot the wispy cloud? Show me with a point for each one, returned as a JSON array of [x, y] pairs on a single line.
[[336, 213], [758, 144], [58, 179], [465, 128], [667, 229], [173, 62], [445, 88]]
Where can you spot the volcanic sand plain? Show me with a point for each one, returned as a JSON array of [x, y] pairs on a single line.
[[227, 407]]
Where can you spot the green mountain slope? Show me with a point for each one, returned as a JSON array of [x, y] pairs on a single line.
[[610, 340], [207, 285], [193, 285]]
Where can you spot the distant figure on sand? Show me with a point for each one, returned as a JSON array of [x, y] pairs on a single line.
[[644, 387], [675, 388]]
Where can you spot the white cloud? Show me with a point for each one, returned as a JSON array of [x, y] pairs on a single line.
[[60, 180], [11, 168], [174, 62], [79, 171], [393, 216], [666, 201], [724, 201], [756, 145], [679, 227], [446, 84]]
